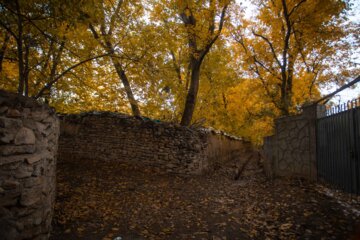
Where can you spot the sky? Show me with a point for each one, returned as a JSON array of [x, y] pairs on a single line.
[[347, 94]]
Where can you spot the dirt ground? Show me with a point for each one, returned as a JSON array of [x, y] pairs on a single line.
[[117, 201]]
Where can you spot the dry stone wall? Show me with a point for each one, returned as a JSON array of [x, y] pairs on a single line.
[[28, 146], [291, 151], [174, 148]]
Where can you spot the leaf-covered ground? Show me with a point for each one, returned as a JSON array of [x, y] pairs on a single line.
[[109, 200]]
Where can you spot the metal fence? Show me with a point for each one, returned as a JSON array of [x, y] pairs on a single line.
[[338, 146], [351, 104]]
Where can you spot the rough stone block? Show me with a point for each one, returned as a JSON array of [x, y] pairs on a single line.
[[25, 136], [3, 109], [38, 156], [13, 150], [33, 181], [39, 115], [9, 123], [13, 113], [6, 136], [14, 159], [10, 184], [10, 198], [30, 197], [41, 127], [38, 171], [29, 123], [23, 171]]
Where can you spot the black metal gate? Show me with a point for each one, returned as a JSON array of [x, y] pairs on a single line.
[[338, 147]]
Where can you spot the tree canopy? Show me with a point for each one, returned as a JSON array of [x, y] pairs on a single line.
[[192, 62]]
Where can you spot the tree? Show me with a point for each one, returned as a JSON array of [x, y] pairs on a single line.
[[40, 40], [198, 24], [199, 19], [295, 42], [109, 27]]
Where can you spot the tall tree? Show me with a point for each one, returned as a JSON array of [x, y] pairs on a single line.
[[111, 25], [202, 28], [295, 42], [40, 40], [196, 25]]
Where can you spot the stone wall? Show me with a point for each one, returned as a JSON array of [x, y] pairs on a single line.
[[110, 136], [221, 148], [291, 151], [28, 145]]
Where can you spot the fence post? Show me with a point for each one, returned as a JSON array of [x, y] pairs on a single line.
[[311, 113]]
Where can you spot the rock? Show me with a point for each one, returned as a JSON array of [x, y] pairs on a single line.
[[8, 229], [9, 123], [30, 197], [23, 171], [41, 127], [13, 159], [25, 136], [36, 157], [10, 184], [13, 150], [3, 109], [19, 226], [6, 136], [26, 112], [10, 198], [13, 113], [2, 190], [49, 119], [29, 123], [38, 170], [39, 115], [33, 181]]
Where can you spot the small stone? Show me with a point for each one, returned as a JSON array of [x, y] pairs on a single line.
[[39, 115], [38, 170], [32, 181], [19, 226], [40, 126], [38, 220], [26, 112], [30, 197], [13, 113], [2, 190], [25, 136], [10, 184], [34, 158], [10, 198], [6, 136], [23, 171], [12, 150], [29, 123], [49, 119], [7, 229], [3, 109], [13, 159], [10, 123]]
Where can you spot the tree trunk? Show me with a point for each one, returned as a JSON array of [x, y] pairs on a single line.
[[121, 73], [3, 49], [19, 42], [26, 69], [192, 94]]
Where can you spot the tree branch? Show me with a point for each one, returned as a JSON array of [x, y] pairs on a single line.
[[270, 45], [51, 83]]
